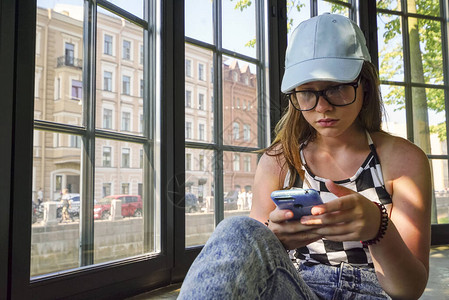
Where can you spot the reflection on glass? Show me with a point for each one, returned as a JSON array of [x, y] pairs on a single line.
[[391, 4], [135, 7], [240, 107], [118, 203], [324, 7], [120, 88], [199, 94], [198, 20], [390, 48], [238, 173], [440, 201], [394, 120], [199, 195], [58, 93], [426, 56], [237, 16], [56, 183]]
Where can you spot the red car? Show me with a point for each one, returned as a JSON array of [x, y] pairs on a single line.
[[131, 206]]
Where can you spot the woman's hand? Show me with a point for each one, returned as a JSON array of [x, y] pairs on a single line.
[[291, 233], [351, 217]]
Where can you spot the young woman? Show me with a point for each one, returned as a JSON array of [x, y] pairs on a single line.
[[371, 237]]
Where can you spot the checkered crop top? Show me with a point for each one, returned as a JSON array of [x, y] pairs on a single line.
[[369, 182]]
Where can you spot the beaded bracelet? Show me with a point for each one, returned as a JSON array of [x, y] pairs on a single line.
[[382, 227]]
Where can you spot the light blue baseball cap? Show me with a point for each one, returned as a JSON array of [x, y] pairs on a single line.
[[327, 47]]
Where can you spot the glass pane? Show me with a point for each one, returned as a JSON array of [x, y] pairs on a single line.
[[120, 82], [239, 169], [55, 203], [440, 201], [390, 47], [296, 13], [135, 7], [426, 7], [426, 54], [118, 208], [324, 6], [240, 105], [59, 63], [237, 15], [198, 20], [199, 94], [199, 196], [394, 120], [429, 120], [388, 4]]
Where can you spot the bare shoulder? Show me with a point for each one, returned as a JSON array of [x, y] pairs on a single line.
[[272, 165]]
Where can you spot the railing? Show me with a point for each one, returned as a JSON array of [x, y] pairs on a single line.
[[69, 61]]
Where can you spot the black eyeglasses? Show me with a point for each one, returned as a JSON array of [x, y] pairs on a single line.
[[337, 95]]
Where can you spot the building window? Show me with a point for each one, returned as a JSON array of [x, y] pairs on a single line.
[[69, 54], [125, 188], [188, 161], [126, 121], [212, 75], [246, 132], [106, 189], [126, 50], [107, 44], [107, 156], [107, 118], [247, 163], [188, 130], [141, 88], [236, 130], [188, 68], [188, 99], [107, 78], [201, 72], [201, 132], [141, 159], [201, 101], [125, 157], [236, 162], [77, 89], [212, 104], [141, 123], [126, 85], [75, 141], [141, 55], [201, 162]]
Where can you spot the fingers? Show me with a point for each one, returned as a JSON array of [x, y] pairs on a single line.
[[280, 215], [338, 190]]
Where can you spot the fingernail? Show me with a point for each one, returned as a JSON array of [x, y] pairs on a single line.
[[289, 214]]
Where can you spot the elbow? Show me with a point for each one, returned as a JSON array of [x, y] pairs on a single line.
[[411, 291]]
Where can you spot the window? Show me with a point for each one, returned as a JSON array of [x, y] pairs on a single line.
[[236, 130], [107, 118], [247, 163], [141, 123], [107, 80], [188, 130], [106, 189], [201, 165], [188, 68], [201, 101], [141, 88], [188, 161], [141, 54], [188, 99], [212, 104], [201, 132], [106, 156], [126, 50], [75, 141], [126, 85], [125, 158], [141, 158], [201, 72], [126, 121], [246, 132], [236, 162], [108, 44], [69, 54], [125, 188], [77, 90]]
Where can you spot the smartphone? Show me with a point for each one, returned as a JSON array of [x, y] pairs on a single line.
[[299, 201]]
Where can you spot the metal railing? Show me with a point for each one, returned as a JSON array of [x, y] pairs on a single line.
[[69, 61]]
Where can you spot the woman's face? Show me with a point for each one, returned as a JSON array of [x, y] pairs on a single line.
[[329, 120]]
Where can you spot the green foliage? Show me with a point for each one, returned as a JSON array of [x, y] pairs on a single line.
[[440, 130], [242, 4]]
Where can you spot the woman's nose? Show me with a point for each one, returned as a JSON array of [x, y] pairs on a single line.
[[323, 105]]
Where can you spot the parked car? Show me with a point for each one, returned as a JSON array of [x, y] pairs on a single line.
[[74, 209], [191, 203], [230, 200], [131, 206]]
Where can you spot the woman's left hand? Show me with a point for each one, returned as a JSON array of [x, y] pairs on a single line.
[[350, 217]]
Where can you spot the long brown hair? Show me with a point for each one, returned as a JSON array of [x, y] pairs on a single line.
[[292, 130]]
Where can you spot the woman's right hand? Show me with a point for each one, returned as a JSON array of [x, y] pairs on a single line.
[[291, 233]]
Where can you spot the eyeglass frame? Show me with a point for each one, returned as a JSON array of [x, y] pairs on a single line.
[[317, 94]]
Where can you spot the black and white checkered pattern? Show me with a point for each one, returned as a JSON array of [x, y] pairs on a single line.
[[368, 181]]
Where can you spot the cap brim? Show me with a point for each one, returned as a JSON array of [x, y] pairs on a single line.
[[325, 69]]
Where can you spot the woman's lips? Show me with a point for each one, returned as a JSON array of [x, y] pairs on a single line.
[[327, 122]]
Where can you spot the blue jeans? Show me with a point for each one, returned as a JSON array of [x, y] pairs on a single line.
[[243, 259]]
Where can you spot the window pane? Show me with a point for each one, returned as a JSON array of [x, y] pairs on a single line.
[[118, 209], [430, 7], [198, 20], [240, 106], [392, 4], [235, 17], [324, 6], [199, 88], [199, 197], [390, 48], [59, 63], [394, 120], [55, 228], [296, 12], [119, 75], [440, 201], [426, 54], [238, 173], [135, 7]]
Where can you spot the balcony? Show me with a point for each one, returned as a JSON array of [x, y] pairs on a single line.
[[69, 61]]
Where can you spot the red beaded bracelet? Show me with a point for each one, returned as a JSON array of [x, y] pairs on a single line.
[[382, 228]]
